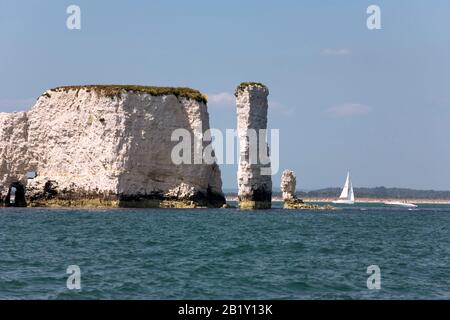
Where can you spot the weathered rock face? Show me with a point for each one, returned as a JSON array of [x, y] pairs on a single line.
[[288, 188], [13, 152], [107, 146], [288, 185], [254, 176]]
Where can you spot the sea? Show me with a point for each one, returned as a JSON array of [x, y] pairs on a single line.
[[365, 251]]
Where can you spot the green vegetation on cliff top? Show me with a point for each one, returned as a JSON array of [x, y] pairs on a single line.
[[114, 90], [244, 85]]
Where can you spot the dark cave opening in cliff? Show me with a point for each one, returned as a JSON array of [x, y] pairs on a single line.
[[16, 195]]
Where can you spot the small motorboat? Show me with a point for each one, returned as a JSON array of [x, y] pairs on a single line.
[[401, 204]]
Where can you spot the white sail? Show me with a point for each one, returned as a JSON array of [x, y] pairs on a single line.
[[345, 190], [351, 193], [347, 195]]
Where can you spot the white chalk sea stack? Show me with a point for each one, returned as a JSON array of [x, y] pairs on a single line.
[[288, 188], [288, 185], [254, 177], [107, 146], [290, 200]]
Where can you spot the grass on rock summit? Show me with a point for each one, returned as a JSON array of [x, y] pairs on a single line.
[[244, 85], [115, 90]]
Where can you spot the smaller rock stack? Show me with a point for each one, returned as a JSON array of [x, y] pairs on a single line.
[[288, 185]]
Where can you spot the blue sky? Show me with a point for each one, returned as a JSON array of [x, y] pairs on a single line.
[[344, 97]]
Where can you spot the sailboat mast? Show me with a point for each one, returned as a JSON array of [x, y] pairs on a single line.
[[351, 193], [345, 189]]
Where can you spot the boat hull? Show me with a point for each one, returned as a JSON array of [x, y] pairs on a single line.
[[344, 202], [399, 204]]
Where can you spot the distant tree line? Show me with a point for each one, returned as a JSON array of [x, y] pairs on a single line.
[[376, 193], [379, 192]]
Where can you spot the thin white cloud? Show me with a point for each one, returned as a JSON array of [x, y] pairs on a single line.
[[222, 100], [228, 100], [280, 108], [15, 105], [336, 52], [349, 110]]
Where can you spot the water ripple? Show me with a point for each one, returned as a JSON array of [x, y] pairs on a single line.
[[225, 254]]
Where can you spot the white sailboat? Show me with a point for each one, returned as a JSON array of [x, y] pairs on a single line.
[[347, 195]]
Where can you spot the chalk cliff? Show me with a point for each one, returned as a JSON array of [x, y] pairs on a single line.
[[107, 146], [13, 153]]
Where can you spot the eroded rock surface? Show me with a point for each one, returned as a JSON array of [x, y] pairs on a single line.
[[254, 176], [288, 188], [13, 152], [288, 185], [290, 199]]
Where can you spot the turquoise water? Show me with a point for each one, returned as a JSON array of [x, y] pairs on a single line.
[[225, 254]]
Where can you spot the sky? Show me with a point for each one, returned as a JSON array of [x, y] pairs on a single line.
[[376, 102]]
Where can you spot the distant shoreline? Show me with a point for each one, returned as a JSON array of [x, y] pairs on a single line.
[[366, 195], [362, 200]]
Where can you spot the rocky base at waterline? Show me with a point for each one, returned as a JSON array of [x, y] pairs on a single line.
[[300, 205], [80, 200], [102, 203], [254, 205], [256, 199]]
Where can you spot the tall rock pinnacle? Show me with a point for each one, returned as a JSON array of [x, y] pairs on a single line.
[[254, 173]]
